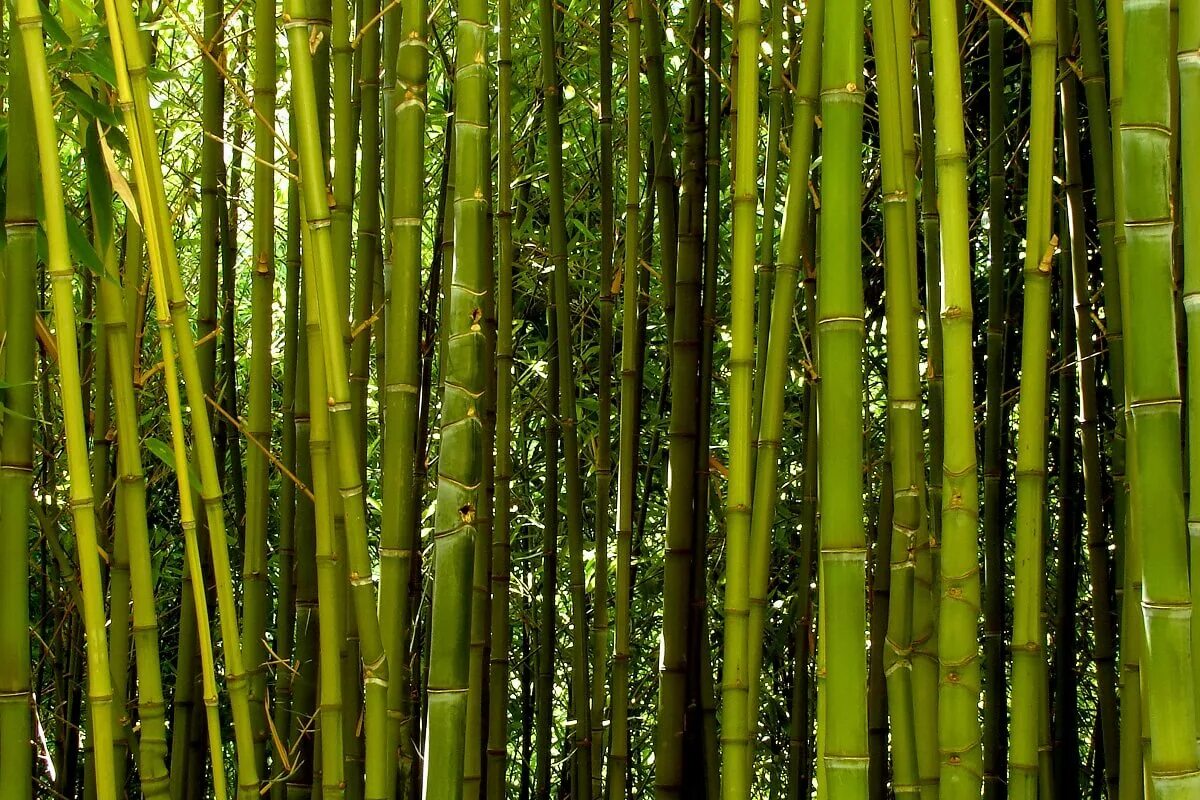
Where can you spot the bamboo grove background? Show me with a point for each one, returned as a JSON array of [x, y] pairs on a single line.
[[559, 400]]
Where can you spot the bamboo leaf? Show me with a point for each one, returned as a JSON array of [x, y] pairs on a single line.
[[122, 187], [162, 451]]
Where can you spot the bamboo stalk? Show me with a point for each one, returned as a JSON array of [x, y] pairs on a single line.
[[548, 610], [28, 21], [1028, 643], [16, 436], [498, 676], [630, 410], [908, 518], [995, 740], [738, 752], [1188, 58], [843, 553], [459, 471], [601, 636], [669, 758], [402, 378], [169, 291], [777, 346], [959, 603], [330, 579], [926, 594], [256, 608], [567, 409], [1157, 511], [131, 496]]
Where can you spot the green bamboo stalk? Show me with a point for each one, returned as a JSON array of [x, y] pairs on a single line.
[[664, 162], [498, 675], [288, 634], [187, 515], [839, 344], [131, 493], [800, 752], [341, 204], [1029, 656], [1064, 711], [256, 608], [568, 414], [368, 253], [166, 278], [770, 427], [1104, 651], [229, 442], [212, 208], [366, 257], [1156, 497], [766, 244], [1132, 777], [187, 518], [334, 331], [548, 610], [402, 378], [737, 755], [995, 753], [307, 648], [669, 758], [186, 684], [1101, 142], [113, 530], [601, 636], [28, 21], [16, 437], [473, 778], [908, 517], [1188, 58], [704, 470], [459, 494], [879, 534], [925, 596], [618, 758], [330, 577], [959, 603]]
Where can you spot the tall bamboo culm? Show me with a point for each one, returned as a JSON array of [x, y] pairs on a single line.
[[1028, 643], [738, 739], [566, 392], [618, 757], [16, 446], [959, 603], [497, 714], [131, 487], [402, 372], [459, 495], [995, 700], [61, 273], [908, 525], [843, 554], [134, 86], [256, 609], [1157, 514], [1189, 190], [777, 343]]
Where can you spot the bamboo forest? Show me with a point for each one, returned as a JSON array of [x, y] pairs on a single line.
[[548, 400]]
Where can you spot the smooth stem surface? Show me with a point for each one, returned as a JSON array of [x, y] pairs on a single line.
[[1028, 643], [28, 21], [843, 554], [959, 603], [1157, 513]]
